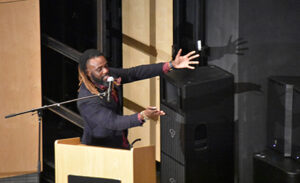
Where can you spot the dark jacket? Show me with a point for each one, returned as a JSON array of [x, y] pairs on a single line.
[[104, 123]]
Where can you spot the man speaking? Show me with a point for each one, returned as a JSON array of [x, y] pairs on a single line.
[[104, 123]]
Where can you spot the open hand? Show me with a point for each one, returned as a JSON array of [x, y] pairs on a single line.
[[181, 62], [153, 113]]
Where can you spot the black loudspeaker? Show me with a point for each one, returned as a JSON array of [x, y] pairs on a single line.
[[284, 115], [271, 167], [197, 130], [83, 179]]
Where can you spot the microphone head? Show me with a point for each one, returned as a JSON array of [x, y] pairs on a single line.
[[110, 79]]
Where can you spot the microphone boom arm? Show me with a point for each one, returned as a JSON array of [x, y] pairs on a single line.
[[56, 104]]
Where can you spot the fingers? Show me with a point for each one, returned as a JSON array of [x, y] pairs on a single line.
[[241, 43], [194, 62], [194, 56], [159, 113], [229, 40], [151, 108], [153, 113], [190, 53], [190, 67], [179, 53]]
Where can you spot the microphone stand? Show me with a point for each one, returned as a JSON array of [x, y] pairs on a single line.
[[40, 114]]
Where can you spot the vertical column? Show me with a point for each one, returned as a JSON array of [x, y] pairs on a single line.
[[147, 38], [20, 75]]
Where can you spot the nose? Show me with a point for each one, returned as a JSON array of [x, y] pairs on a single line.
[[105, 70]]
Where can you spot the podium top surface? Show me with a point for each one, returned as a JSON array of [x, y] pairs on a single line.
[[76, 142], [74, 158]]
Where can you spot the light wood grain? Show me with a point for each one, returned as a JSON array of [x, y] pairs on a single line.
[[73, 158], [150, 23], [20, 90]]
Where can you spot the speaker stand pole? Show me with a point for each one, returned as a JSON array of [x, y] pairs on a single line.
[[40, 114]]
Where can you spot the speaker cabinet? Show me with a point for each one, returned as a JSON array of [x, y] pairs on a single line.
[[271, 166], [284, 115], [296, 127], [197, 130]]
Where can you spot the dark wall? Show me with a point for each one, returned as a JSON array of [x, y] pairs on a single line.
[[269, 32], [220, 33]]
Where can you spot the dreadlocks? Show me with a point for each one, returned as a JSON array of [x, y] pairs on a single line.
[[83, 78]]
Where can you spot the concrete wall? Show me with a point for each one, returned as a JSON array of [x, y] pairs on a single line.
[[270, 31]]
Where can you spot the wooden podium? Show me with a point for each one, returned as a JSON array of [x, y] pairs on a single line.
[[129, 166]]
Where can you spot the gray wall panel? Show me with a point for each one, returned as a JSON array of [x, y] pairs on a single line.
[[271, 29]]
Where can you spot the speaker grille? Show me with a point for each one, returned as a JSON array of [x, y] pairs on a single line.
[[172, 134], [171, 171], [181, 140]]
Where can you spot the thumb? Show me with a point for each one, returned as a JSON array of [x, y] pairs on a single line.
[[151, 108]]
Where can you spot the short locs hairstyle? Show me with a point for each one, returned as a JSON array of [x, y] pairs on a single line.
[[88, 54]]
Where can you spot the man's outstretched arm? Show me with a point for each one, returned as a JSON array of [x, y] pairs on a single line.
[[151, 70]]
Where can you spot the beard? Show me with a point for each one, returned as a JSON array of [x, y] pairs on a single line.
[[99, 81]]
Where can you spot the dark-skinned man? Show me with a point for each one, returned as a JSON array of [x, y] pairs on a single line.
[[104, 123]]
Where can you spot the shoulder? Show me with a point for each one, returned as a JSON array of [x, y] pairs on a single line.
[[84, 92]]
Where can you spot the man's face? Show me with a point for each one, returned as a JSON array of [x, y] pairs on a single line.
[[97, 70]]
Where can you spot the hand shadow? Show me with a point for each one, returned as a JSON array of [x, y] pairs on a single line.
[[232, 47]]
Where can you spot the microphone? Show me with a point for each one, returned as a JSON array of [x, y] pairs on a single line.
[[109, 80]]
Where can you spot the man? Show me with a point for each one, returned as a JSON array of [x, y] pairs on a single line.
[[104, 123]]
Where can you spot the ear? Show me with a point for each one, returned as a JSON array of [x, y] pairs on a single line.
[[89, 74], [87, 70]]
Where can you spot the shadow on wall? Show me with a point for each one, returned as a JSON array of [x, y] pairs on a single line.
[[243, 87], [235, 47], [232, 47]]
